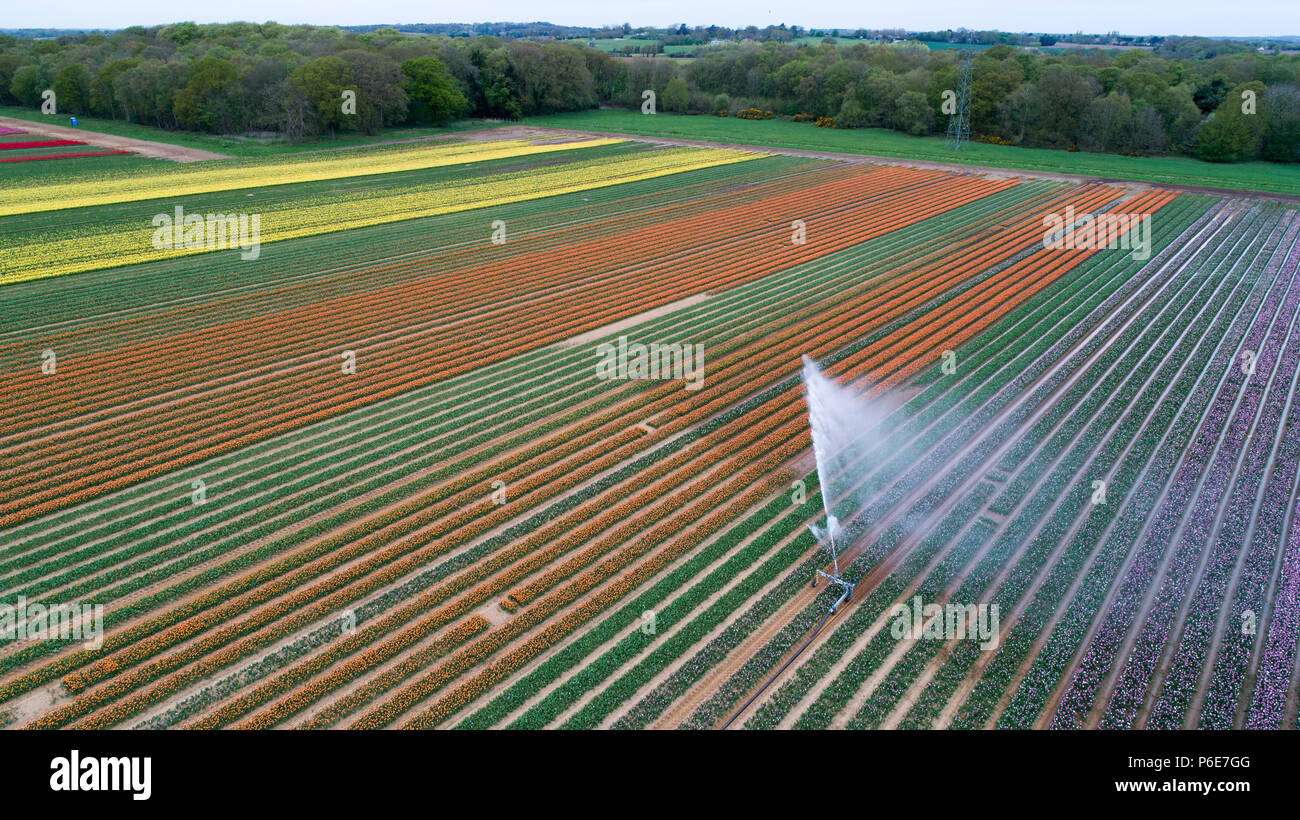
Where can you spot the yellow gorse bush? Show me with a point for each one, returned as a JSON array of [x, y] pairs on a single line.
[[182, 180], [110, 245]]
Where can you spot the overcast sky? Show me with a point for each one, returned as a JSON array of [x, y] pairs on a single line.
[[1188, 17]]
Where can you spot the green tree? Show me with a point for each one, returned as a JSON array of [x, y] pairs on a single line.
[[72, 89], [1105, 125], [1280, 107], [145, 92], [1060, 98], [676, 95], [26, 85], [432, 92], [912, 114], [9, 63], [1231, 134], [102, 98], [991, 81], [1210, 94], [377, 80], [322, 81], [181, 33], [500, 86], [851, 114], [209, 100]]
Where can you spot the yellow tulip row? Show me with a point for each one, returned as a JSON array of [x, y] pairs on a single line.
[[109, 245], [206, 177]]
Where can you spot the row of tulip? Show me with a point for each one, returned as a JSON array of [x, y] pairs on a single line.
[[1259, 417], [692, 420], [1183, 555], [660, 546], [865, 612], [1237, 646], [1092, 313], [337, 322], [185, 180], [352, 318], [869, 360], [64, 155], [775, 517], [1073, 561], [1195, 315], [294, 273], [890, 690], [404, 358], [479, 594], [1159, 445], [115, 244], [571, 689]]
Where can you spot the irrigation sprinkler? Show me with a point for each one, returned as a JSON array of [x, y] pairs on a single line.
[[833, 429], [827, 539]]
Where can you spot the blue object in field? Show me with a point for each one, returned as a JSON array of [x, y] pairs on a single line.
[[74, 121]]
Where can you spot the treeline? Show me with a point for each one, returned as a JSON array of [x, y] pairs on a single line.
[[1234, 104], [247, 77]]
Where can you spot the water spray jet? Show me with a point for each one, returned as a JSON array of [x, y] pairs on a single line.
[[838, 420]]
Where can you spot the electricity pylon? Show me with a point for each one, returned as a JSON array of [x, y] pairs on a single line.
[[959, 120]]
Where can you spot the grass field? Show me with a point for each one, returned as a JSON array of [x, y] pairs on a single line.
[[380, 476], [1252, 176]]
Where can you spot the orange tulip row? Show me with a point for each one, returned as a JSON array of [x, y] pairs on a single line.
[[319, 687], [235, 343], [75, 682], [1052, 270], [762, 478], [405, 364]]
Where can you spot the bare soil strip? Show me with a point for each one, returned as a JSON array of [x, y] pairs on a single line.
[[145, 148]]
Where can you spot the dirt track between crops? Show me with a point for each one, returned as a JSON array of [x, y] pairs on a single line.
[[145, 148]]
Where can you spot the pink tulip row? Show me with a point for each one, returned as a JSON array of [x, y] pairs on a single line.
[[1127, 603], [1203, 616]]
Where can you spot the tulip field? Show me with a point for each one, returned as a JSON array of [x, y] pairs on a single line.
[[372, 477], [17, 145]]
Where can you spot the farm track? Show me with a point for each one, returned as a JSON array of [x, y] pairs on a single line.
[[145, 148]]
